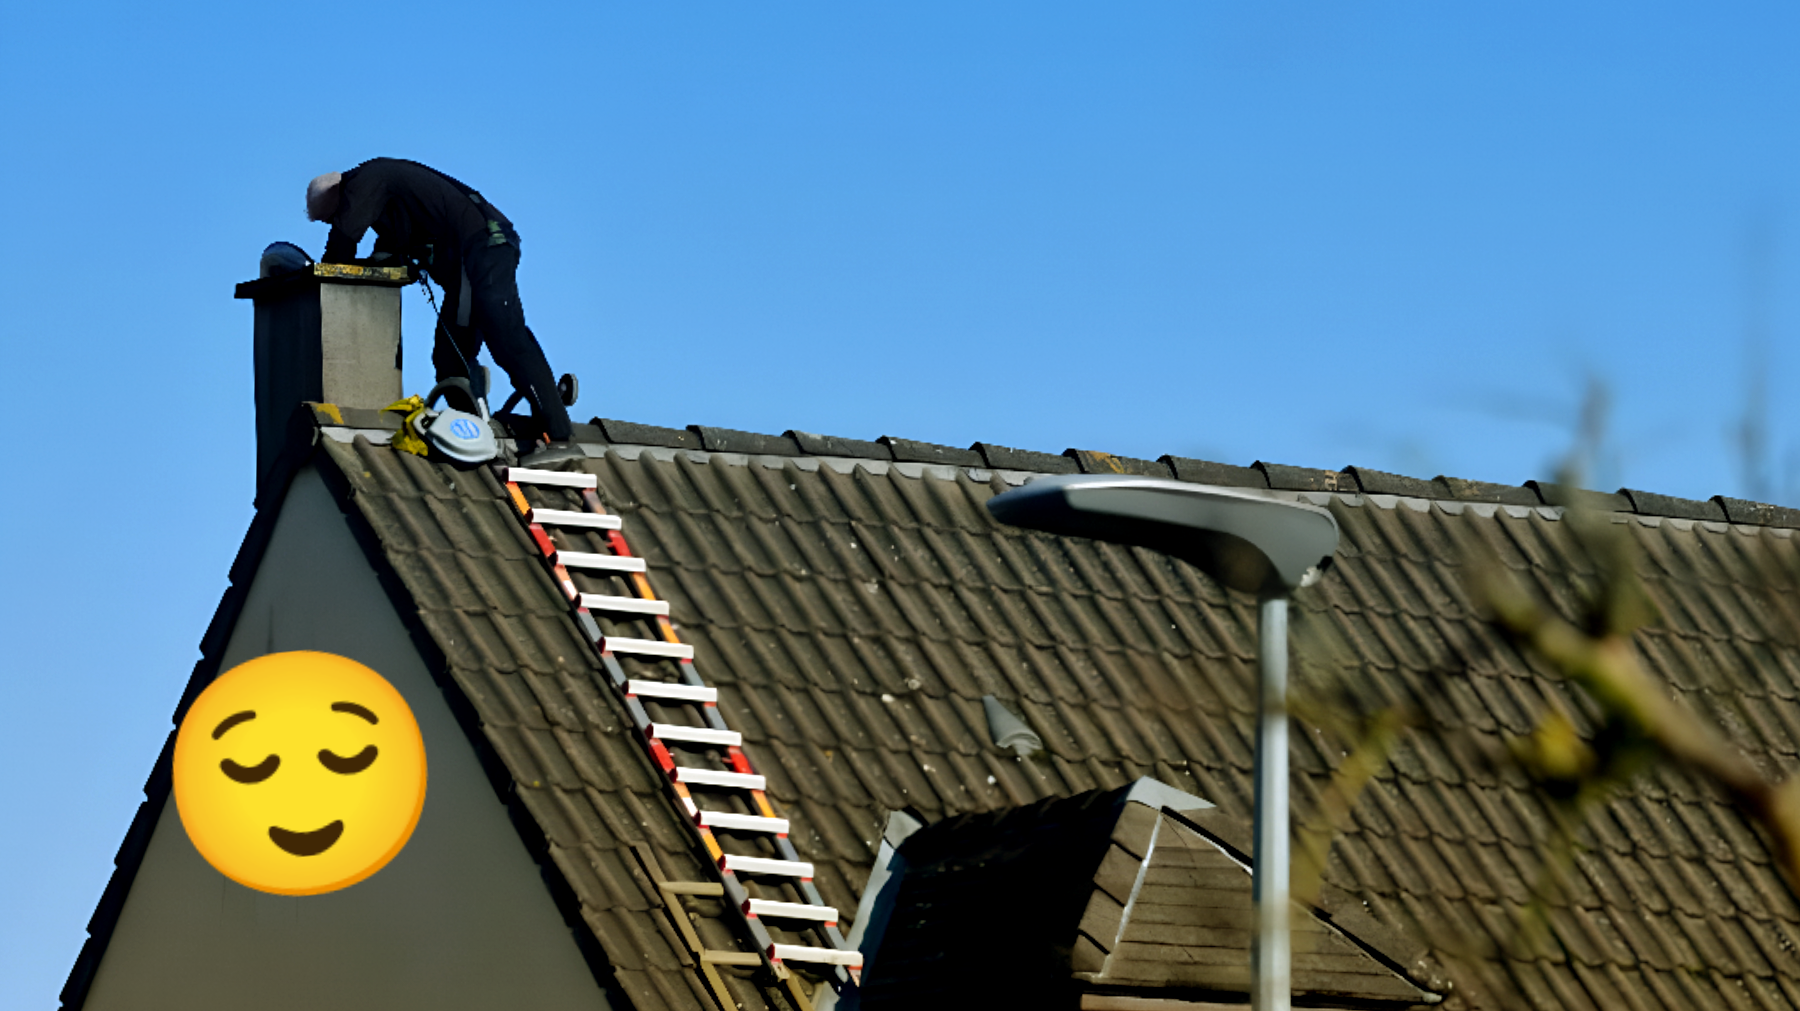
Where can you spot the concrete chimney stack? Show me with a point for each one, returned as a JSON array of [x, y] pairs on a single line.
[[327, 333]]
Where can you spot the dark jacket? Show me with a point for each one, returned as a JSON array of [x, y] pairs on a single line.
[[418, 213]]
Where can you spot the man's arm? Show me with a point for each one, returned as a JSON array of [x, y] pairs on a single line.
[[360, 201]]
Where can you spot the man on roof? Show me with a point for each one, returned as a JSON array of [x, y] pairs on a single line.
[[422, 216]]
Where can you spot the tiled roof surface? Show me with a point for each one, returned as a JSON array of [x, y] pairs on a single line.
[[853, 614], [854, 610]]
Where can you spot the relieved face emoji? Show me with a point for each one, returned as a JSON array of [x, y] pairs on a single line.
[[299, 773]]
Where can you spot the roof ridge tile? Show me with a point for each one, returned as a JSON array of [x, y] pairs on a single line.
[[913, 451], [1557, 494], [1377, 482], [1347, 480], [1464, 490], [1007, 458], [633, 434], [1759, 514], [1648, 503], [730, 440], [1093, 461], [1286, 478], [1223, 475], [814, 444]]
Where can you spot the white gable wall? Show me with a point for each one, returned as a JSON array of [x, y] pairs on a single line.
[[460, 919]]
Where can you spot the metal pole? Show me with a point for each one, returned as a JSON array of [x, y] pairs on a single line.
[[1271, 988]]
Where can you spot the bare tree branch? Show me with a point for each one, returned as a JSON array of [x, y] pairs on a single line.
[[1605, 665]]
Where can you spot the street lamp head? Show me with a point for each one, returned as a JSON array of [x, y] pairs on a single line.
[[1252, 543]]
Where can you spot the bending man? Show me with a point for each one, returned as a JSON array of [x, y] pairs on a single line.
[[422, 215]]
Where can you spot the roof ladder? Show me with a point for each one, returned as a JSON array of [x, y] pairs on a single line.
[[757, 884]]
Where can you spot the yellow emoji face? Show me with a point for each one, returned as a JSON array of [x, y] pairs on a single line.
[[299, 773]]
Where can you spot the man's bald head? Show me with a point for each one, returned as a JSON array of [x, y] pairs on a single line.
[[322, 196]]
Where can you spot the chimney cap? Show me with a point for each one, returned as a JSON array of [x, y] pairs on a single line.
[[326, 273]]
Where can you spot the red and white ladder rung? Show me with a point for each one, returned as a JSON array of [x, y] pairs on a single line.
[[646, 647], [597, 562], [790, 910], [624, 605], [847, 957], [713, 777], [743, 822], [665, 690], [572, 518], [659, 736], [696, 735], [763, 865]]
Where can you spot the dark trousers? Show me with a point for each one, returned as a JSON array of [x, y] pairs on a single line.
[[490, 313]]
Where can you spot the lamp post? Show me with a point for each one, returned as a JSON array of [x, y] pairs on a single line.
[[1266, 546]]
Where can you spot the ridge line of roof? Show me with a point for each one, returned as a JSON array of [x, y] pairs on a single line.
[[1350, 480], [845, 465]]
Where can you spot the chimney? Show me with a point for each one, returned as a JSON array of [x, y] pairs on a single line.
[[325, 332]]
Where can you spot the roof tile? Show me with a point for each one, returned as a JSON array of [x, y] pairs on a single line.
[[1288, 478], [726, 440], [832, 445], [909, 451], [1483, 491], [1222, 475], [1006, 458], [1760, 514], [1375, 482], [633, 434], [1580, 498], [1095, 462], [1651, 504]]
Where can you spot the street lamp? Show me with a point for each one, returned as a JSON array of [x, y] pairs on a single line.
[[1266, 546]]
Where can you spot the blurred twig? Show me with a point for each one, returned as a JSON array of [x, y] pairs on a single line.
[[1375, 742], [1639, 711]]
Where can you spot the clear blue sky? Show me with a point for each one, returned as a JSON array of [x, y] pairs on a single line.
[[1404, 236]]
